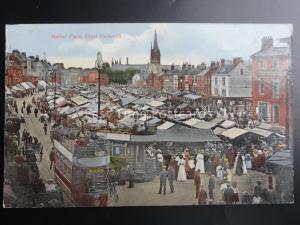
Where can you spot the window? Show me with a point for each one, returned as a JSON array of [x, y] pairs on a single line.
[[242, 71], [223, 92], [216, 91], [262, 65], [216, 81], [223, 81], [275, 113], [275, 88], [275, 64], [261, 86], [263, 112]]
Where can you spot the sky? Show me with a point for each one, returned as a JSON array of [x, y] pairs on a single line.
[[76, 45]]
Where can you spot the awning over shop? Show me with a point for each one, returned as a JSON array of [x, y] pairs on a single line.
[[192, 97], [234, 132], [165, 125], [282, 158], [42, 83], [265, 126], [31, 85], [182, 106], [261, 132], [155, 104], [76, 114], [79, 100], [17, 88], [219, 130], [119, 137], [186, 135], [227, 124], [192, 121], [127, 100], [25, 85]]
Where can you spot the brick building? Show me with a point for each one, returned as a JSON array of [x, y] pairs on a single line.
[[203, 79], [270, 67], [93, 77], [16, 70]]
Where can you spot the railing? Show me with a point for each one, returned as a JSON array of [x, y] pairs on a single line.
[[67, 143]]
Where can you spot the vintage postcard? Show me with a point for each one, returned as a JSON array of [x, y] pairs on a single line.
[[140, 114]]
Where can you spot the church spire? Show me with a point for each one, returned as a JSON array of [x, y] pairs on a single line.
[[155, 41]]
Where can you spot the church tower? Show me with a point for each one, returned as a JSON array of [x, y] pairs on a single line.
[[155, 52]]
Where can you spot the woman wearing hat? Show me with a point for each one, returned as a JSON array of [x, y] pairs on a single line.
[[181, 170], [200, 162]]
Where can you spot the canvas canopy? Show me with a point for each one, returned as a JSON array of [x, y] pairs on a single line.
[[79, 100], [165, 125], [234, 132]]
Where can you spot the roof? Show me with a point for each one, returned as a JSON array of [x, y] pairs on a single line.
[[119, 137], [25, 85], [227, 124], [182, 106], [261, 132], [64, 109], [155, 104], [127, 100], [79, 100], [165, 125], [42, 83], [143, 138], [282, 158], [153, 121], [219, 130], [205, 125], [225, 69], [16, 88], [161, 99], [31, 84], [184, 134], [275, 51], [63, 150], [192, 97], [265, 126], [203, 72], [93, 161], [234, 132], [76, 114], [192, 121]]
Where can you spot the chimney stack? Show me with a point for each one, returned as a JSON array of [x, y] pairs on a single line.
[[193, 66], [184, 66], [266, 43], [127, 60], [189, 66], [212, 64], [172, 67], [203, 66], [237, 60], [222, 62]]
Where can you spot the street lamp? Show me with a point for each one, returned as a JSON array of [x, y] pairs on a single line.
[[98, 65]]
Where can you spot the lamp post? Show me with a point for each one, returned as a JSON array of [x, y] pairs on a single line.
[[98, 65]]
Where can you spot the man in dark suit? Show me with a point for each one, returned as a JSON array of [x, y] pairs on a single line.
[[171, 178], [163, 180]]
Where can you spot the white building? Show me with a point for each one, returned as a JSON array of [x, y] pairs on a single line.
[[232, 80]]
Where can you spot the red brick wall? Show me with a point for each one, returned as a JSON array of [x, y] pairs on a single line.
[[269, 77], [93, 78]]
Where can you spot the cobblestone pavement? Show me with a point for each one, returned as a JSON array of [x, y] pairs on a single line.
[[35, 128], [145, 194]]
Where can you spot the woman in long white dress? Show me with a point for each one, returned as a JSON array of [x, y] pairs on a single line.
[[200, 162], [244, 165], [181, 171]]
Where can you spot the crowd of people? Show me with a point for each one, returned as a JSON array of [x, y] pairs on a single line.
[[221, 164]]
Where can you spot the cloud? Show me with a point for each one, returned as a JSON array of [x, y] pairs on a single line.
[[178, 42]]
